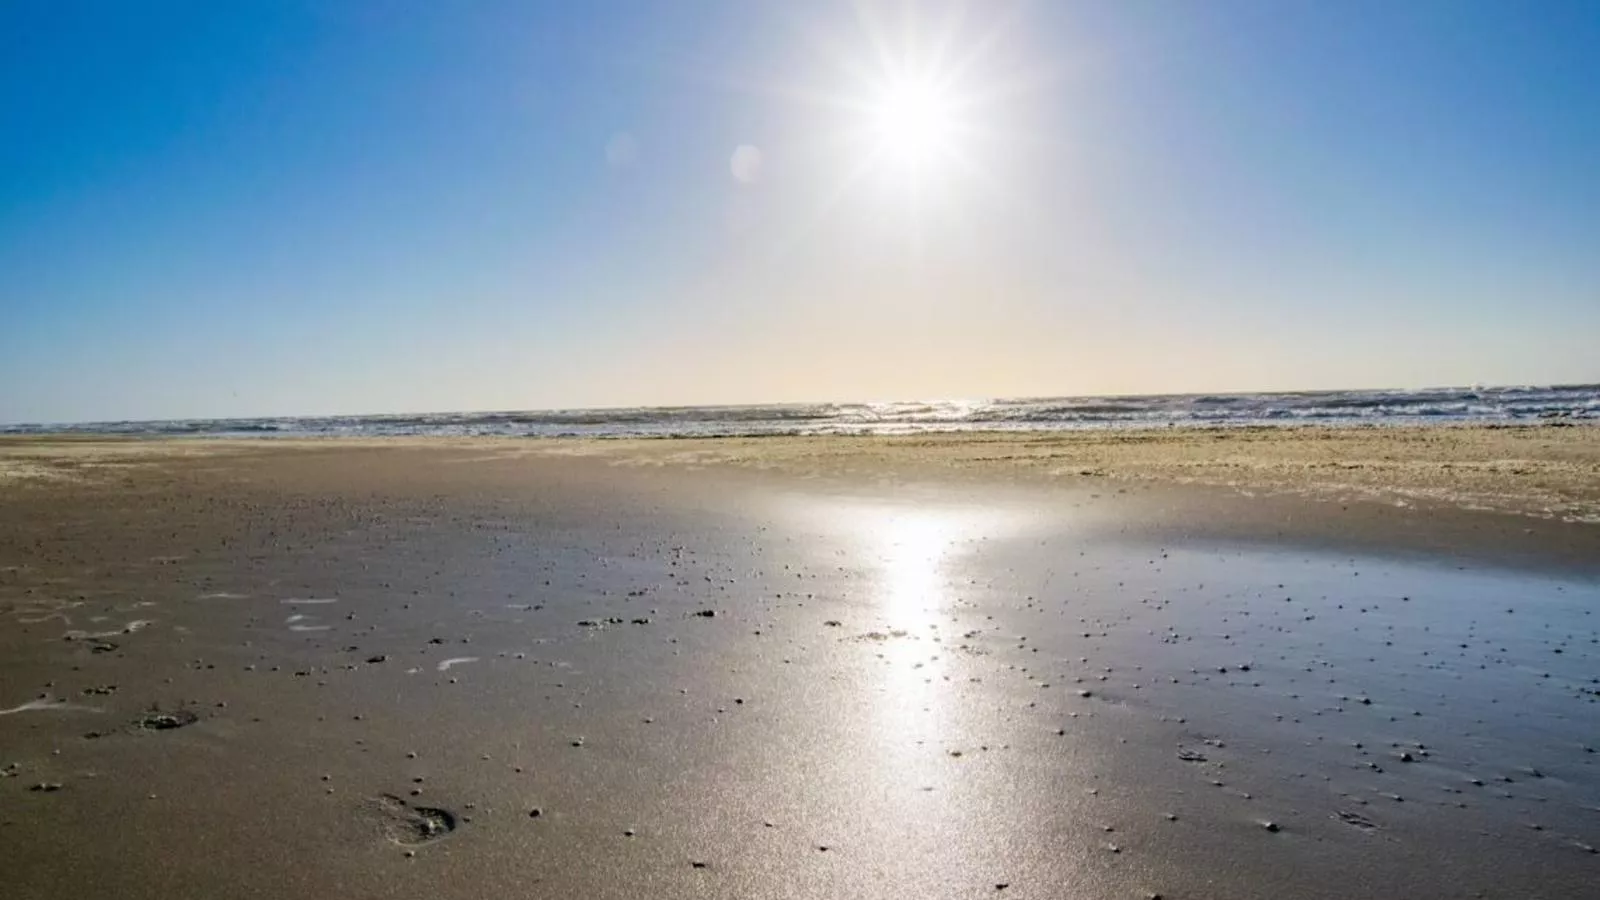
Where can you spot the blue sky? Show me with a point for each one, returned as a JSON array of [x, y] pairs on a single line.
[[252, 208]]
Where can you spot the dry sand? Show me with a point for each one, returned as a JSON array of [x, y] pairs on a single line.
[[1013, 666], [1547, 471]]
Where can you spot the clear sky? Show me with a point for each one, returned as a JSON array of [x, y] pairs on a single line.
[[252, 208]]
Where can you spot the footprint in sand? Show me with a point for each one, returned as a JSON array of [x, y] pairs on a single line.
[[156, 720], [409, 825], [1356, 819]]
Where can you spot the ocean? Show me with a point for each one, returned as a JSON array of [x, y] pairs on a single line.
[[1409, 407]]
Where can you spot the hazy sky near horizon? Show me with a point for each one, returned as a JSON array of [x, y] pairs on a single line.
[[254, 208]]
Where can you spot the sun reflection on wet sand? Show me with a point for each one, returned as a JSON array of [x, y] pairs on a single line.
[[911, 550], [909, 717], [909, 556]]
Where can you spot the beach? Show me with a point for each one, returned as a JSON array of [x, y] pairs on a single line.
[[1180, 662]]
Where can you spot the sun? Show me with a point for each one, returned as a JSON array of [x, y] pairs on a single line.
[[913, 122], [911, 114]]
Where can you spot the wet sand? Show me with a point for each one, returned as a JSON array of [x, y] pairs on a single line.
[[789, 668]]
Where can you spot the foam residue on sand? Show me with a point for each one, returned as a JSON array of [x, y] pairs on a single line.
[[133, 627], [44, 704], [298, 622]]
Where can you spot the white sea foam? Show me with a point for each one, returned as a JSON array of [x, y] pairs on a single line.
[[1464, 404]]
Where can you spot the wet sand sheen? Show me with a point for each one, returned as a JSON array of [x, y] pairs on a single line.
[[546, 676]]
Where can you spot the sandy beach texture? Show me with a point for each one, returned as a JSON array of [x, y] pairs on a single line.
[[1244, 663]]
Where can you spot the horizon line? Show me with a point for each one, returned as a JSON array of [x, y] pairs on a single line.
[[1020, 398]]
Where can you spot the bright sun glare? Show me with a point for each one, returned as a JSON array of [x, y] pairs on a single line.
[[922, 92], [913, 122]]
